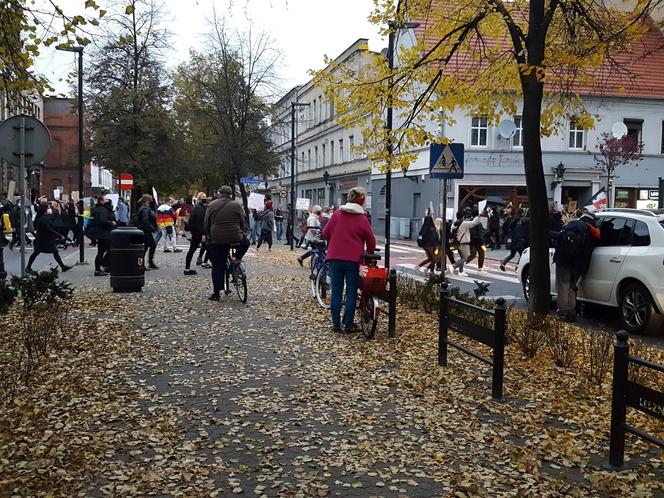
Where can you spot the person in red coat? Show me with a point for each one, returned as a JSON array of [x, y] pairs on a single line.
[[348, 233]]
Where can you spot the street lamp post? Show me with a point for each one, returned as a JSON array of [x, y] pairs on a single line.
[[393, 26], [292, 171], [81, 245]]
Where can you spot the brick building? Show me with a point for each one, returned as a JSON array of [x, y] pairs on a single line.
[[60, 167]]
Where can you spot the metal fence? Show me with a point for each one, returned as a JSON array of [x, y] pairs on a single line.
[[494, 336]]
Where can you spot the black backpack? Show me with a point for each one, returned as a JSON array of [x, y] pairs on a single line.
[[569, 247]]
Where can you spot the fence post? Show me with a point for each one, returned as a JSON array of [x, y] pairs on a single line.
[[443, 323], [618, 401], [392, 305], [500, 317]]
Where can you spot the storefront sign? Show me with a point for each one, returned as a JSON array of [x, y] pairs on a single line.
[[653, 194]]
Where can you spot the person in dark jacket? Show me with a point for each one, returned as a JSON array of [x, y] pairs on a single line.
[[555, 221], [575, 244], [279, 223], [519, 235], [102, 222], [267, 226], [15, 220], [494, 229], [146, 220], [477, 246], [47, 238], [197, 229], [429, 241], [225, 224]]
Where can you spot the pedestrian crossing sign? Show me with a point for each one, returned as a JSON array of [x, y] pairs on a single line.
[[446, 161]]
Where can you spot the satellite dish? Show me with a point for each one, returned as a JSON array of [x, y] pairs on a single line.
[[619, 130], [506, 129]]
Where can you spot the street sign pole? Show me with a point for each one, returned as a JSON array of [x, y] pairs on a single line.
[[443, 235], [21, 169], [660, 199]]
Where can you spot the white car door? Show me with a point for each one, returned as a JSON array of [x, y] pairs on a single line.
[[607, 259]]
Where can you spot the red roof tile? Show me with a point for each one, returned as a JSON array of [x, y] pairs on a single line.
[[638, 72]]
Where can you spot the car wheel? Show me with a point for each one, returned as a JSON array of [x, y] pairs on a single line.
[[525, 282], [635, 307]]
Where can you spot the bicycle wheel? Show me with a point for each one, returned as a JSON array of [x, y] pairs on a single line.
[[323, 288], [240, 281], [368, 318]]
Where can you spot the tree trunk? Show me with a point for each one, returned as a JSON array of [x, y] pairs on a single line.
[[538, 202], [533, 94], [245, 202]]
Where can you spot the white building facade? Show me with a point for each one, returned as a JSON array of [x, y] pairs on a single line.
[[326, 162]]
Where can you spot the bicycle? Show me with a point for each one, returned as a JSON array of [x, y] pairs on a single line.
[[318, 255], [236, 274], [323, 286], [373, 281]]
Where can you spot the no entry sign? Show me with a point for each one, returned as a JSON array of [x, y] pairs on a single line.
[[126, 181]]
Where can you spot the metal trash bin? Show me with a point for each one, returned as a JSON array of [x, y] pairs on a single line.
[[126, 257]]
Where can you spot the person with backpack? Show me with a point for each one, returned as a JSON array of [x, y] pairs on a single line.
[[429, 241], [477, 247], [574, 247], [519, 231], [462, 233], [146, 221]]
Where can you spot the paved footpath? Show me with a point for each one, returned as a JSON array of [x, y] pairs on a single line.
[[263, 400]]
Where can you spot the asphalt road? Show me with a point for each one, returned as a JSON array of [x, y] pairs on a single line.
[[13, 258], [507, 285]]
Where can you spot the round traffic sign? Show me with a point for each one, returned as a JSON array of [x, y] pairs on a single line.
[[37, 140]]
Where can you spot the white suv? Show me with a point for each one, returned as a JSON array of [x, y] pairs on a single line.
[[626, 269]]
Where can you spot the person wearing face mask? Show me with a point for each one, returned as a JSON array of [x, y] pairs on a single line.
[[102, 222], [47, 238]]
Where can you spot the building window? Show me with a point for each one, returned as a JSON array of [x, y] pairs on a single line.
[[517, 139], [308, 158], [634, 127], [301, 168], [316, 156], [321, 196], [321, 118], [576, 136], [351, 145], [330, 109], [662, 147], [332, 148], [324, 155], [341, 150], [479, 132]]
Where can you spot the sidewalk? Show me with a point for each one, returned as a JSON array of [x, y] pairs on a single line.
[[196, 398]]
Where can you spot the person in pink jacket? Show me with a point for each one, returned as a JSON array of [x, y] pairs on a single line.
[[347, 233]]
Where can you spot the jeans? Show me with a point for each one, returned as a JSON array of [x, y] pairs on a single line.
[[477, 249], [256, 230], [103, 247], [196, 239], [508, 258], [464, 252], [266, 236], [218, 255], [565, 289], [150, 246], [341, 271], [280, 229]]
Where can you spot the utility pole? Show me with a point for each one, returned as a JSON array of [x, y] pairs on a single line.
[[81, 145], [291, 221]]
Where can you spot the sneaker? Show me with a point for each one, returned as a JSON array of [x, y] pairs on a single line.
[[227, 291], [350, 330], [177, 250], [462, 274], [206, 265], [336, 329], [66, 268], [99, 273], [502, 267], [214, 297], [190, 272], [481, 270], [301, 261], [167, 250]]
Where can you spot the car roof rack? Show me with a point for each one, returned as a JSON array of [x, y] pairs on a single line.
[[646, 212]]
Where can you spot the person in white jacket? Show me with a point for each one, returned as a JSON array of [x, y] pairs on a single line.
[[463, 236]]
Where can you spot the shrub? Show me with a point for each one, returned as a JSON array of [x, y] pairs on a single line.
[[597, 355], [7, 296], [528, 334], [562, 342]]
